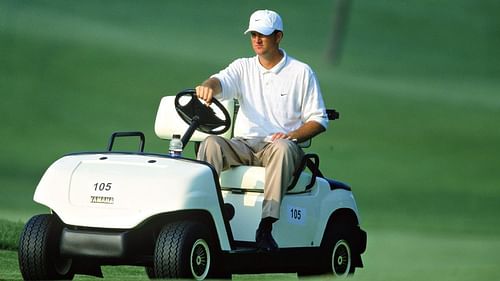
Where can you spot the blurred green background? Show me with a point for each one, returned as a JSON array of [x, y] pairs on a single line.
[[418, 88]]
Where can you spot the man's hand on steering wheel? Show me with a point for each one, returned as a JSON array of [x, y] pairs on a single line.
[[206, 120], [208, 89], [205, 93]]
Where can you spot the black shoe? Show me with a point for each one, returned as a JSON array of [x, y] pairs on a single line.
[[265, 241]]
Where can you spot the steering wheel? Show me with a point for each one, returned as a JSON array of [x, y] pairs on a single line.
[[191, 109]]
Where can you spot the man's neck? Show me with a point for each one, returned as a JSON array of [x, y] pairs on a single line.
[[268, 61]]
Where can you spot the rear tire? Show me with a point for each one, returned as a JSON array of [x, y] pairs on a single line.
[[183, 251], [339, 254], [38, 253], [150, 272], [341, 259]]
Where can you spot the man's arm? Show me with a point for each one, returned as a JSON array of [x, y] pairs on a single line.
[[303, 133], [208, 89]]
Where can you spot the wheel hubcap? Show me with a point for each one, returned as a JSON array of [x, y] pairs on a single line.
[[341, 258], [200, 259]]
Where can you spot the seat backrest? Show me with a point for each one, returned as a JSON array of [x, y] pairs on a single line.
[[169, 123]]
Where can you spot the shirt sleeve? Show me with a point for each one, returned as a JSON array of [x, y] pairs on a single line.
[[230, 80], [314, 107]]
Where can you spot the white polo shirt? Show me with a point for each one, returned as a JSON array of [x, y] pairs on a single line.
[[280, 99]]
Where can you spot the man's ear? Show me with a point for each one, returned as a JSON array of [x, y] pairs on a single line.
[[279, 36]]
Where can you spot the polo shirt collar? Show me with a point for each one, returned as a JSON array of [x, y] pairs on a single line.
[[277, 68]]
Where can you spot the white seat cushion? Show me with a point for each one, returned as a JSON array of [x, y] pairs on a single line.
[[251, 178]]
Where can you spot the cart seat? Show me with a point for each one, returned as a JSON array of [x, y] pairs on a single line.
[[243, 178], [251, 179]]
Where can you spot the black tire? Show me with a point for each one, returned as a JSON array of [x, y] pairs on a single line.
[[38, 252], [183, 251], [339, 254], [150, 271]]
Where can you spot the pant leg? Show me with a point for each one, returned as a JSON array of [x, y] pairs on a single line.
[[281, 158], [222, 153]]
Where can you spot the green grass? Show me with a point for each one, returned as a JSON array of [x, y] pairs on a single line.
[[9, 234], [417, 90]]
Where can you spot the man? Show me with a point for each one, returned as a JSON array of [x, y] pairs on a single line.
[[280, 105]]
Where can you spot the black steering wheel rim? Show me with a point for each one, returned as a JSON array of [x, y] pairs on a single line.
[[208, 121]]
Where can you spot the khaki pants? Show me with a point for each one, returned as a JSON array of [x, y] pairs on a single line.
[[280, 158]]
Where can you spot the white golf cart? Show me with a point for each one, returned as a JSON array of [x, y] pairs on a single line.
[[177, 218]]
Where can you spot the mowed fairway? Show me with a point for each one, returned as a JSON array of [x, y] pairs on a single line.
[[418, 89]]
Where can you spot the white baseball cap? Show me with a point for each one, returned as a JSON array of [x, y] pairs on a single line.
[[265, 22]]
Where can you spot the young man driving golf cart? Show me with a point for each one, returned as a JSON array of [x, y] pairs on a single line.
[[184, 218], [280, 105]]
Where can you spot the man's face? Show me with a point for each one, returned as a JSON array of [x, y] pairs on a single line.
[[264, 44]]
